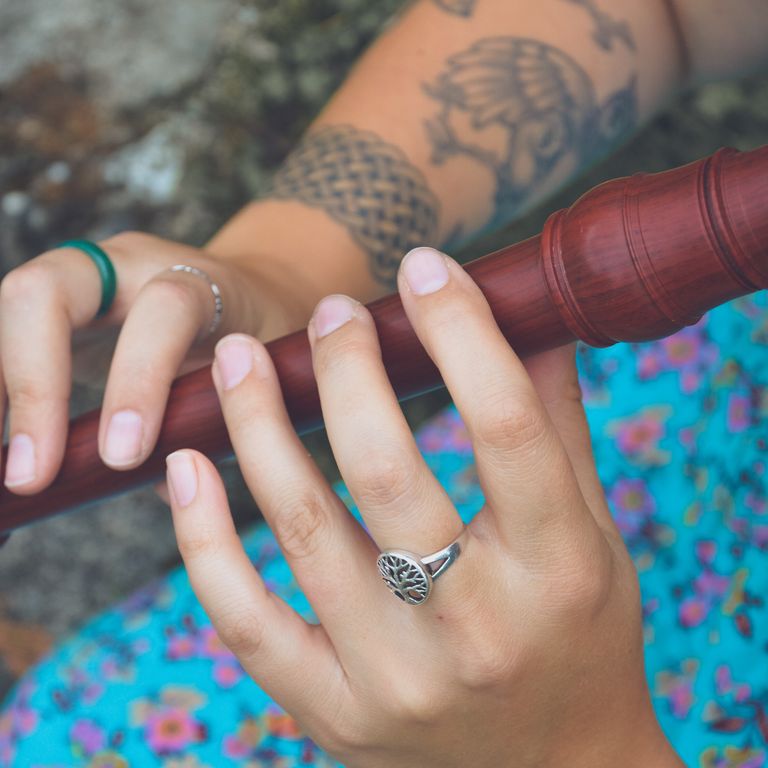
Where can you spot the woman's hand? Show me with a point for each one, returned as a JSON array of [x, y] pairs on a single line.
[[529, 650], [162, 319]]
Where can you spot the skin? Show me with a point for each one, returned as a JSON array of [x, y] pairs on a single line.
[[270, 289], [544, 548], [530, 628]]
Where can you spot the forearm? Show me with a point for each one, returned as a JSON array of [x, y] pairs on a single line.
[[452, 124]]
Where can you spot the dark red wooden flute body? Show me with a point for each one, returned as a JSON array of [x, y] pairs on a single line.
[[633, 259]]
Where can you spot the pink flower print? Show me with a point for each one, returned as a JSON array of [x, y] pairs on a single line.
[[633, 505], [687, 352], [677, 688], [281, 724], [92, 692], [738, 412], [756, 502], [249, 735], [692, 612], [681, 699], [682, 347], [711, 584], [211, 647], [235, 749], [687, 437], [732, 757], [445, 432], [637, 436], [88, 735], [723, 679], [725, 684], [25, 719], [171, 730], [226, 674], [181, 647], [760, 536], [689, 380], [648, 365], [706, 551]]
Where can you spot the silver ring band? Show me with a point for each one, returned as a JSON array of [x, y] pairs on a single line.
[[410, 576], [217, 300]]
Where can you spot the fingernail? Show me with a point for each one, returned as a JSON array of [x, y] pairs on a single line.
[[331, 313], [123, 442], [425, 270], [182, 477], [20, 466], [234, 357]]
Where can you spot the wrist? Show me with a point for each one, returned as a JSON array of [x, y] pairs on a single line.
[[299, 251], [633, 739]]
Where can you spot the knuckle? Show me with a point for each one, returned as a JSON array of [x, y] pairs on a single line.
[[196, 544], [339, 351], [298, 525], [511, 423], [408, 700], [346, 741], [347, 736], [242, 633], [27, 394], [128, 240], [582, 583], [175, 294], [27, 280], [385, 477], [417, 705]]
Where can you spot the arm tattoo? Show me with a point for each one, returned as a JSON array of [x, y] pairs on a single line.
[[526, 111], [458, 7], [606, 28], [367, 185]]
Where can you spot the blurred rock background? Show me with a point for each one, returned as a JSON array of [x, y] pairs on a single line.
[[167, 117]]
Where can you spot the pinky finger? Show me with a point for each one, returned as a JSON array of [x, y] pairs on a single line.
[[292, 660]]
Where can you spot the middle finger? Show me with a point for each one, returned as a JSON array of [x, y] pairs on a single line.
[[399, 498]]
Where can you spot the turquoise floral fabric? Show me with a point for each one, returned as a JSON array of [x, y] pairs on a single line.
[[679, 433]]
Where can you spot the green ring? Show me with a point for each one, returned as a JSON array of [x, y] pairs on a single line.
[[104, 265]]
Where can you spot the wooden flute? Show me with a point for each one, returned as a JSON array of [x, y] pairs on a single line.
[[633, 259]]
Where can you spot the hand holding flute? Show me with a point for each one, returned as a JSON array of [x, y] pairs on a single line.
[[634, 259]]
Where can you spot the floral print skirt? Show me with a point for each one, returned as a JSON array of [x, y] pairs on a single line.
[[679, 433]]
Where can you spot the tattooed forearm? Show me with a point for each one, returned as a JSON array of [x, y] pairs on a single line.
[[457, 7], [369, 186], [528, 112], [607, 29]]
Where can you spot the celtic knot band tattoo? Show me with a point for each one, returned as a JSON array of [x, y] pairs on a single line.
[[367, 185], [457, 7], [528, 112]]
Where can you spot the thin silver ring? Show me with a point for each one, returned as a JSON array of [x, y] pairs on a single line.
[[410, 577], [217, 300]]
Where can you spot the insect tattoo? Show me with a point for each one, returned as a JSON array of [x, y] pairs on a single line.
[[367, 185], [457, 7], [527, 112], [607, 29]]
